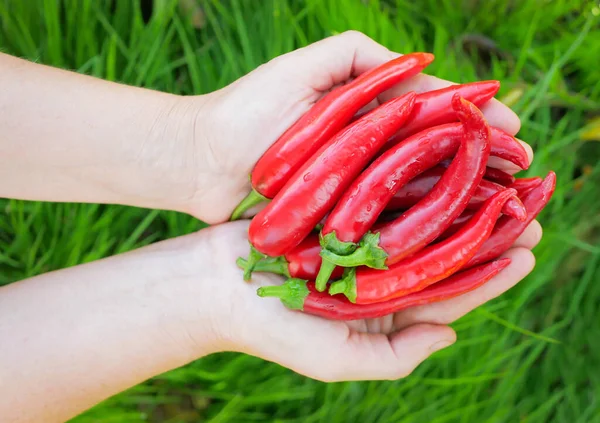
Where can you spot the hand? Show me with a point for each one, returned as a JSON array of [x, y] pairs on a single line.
[[264, 104], [182, 299], [385, 348], [234, 126]]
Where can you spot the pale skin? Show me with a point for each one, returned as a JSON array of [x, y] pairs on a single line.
[[71, 338]]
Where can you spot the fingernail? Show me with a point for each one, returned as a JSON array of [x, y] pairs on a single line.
[[440, 345]]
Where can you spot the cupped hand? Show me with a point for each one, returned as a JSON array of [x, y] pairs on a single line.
[[235, 125], [385, 348]]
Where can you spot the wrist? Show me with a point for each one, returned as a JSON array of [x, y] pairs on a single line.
[[186, 161], [197, 297], [165, 162]]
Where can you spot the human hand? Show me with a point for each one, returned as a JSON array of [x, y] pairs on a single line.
[[184, 298], [385, 348], [234, 126]]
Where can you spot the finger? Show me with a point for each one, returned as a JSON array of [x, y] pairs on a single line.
[[330, 350], [333, 60], [507, 166], [446, 312], [346, 355], [496, 113], [530, 237], [376, 356]]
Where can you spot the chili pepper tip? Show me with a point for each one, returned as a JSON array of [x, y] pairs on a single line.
[[464, 108], [292, 293]]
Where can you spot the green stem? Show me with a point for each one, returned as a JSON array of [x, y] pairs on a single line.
[[254, 258], [332, 243], [276, 265], [292, 293], [357, 258], [325, 272], [251, 200], [369, 253], [279, 291], [346, 285]]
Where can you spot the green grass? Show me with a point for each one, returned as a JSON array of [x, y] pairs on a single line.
[[504, 367]]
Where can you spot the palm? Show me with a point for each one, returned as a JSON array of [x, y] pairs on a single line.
[[335, 350], [264, 104], [250, 115]]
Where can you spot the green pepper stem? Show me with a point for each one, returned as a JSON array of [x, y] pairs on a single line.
[[369, 253], [346, 285], [276, 265], [251, 200], [332, 243], [254, 258], [242, 263], [325, 272], [338, 287], [279, 291], [292, 293], [357, 258]]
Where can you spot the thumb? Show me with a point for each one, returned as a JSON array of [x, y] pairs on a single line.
[[332, 352], [332, 60], [395, 356]]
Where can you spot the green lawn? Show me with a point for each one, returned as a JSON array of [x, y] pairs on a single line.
[[532, 355]]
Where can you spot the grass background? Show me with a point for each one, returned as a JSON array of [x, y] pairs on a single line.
[[532, 355]]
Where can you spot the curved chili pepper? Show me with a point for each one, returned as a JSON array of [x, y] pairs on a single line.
[[315, 188], [365, 200], [297, 294], [525, 185], [427, 266], [328, 116], [507, 230], [499, 176], [414, 191], [399, 165], [433, 108], [458, 223], [303, 262]]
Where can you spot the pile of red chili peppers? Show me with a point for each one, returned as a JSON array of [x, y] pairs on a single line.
[[371, 213]]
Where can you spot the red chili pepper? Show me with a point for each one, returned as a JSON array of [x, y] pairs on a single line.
[[303, 262], [427, 266], [525, 185], [499, 176], [317, 186], [328, 116], [297, 294], [507, 230], [414, 191], [365, 200], [458, 223], [397, 166], [433, 108]]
